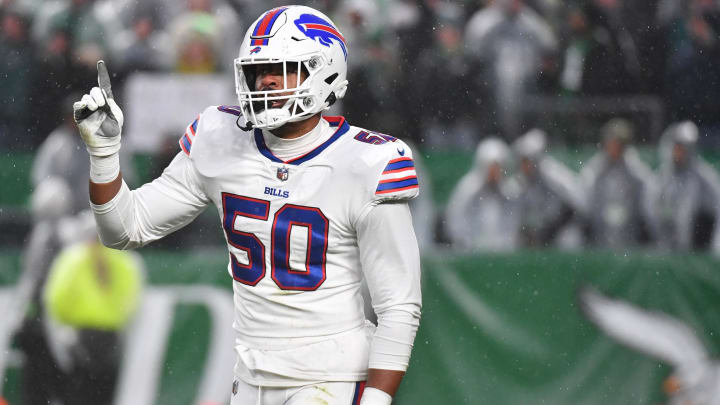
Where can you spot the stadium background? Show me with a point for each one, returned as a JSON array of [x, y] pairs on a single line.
[[497, 327]]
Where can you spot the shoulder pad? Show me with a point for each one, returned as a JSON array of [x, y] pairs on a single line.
[[211, 118]]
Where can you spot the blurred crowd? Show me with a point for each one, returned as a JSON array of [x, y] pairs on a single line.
[[519, 196], [439, 72]]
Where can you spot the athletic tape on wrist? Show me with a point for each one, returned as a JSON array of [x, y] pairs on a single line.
[[104, 169], [374, 396]]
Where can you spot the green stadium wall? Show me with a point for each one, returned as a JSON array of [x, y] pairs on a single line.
[[496, 329]]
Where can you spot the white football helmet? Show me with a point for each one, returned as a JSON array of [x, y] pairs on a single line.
[[302, 39]]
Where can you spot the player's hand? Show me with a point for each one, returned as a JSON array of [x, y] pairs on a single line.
[[99, 118]]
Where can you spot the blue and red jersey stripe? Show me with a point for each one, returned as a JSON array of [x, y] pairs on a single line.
[[359, 389], [391, 186], [399, 165], [335, 122], [395, 184], [187, 139], [186, 144]]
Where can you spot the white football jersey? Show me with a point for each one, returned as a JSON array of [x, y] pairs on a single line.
[[293, 251]]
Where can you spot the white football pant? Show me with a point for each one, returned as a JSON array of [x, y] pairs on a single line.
[[330, 393]]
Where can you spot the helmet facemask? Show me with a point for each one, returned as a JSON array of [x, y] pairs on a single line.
[[261, 107]]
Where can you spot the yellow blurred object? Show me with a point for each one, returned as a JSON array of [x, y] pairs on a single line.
[[93, 287]]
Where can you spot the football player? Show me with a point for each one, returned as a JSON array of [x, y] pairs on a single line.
[[310, 206]]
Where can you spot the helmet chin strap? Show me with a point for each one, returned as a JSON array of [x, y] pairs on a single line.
[[248, 125]]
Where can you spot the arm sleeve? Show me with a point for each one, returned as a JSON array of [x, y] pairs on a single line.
[[391, 264], [136, 218]]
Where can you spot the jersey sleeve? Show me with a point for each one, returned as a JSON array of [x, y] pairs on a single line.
[[397, 179], [135, 218], [186, 141], [391, 265]]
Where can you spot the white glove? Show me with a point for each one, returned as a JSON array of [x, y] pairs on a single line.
[[99, 120], [374, 396]]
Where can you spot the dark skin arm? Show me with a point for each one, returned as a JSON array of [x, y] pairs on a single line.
[[101, 193], [385, 380]]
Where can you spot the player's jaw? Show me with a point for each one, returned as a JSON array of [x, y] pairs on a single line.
[[273, 100], [277, 82]]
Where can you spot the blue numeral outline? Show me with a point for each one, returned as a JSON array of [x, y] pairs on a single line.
[[282, 274], [287, 217], [254, 271]]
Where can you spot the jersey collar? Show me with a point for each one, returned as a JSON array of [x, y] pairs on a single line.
[[336, 122]]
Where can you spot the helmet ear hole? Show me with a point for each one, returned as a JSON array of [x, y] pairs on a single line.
[[331, 99], [330, 79]]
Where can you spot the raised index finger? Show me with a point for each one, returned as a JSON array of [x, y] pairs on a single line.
[[104, 79]]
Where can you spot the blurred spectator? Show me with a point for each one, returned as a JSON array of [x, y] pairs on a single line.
[[90, 24], [199, 36], [443, 107], [196, 52], [144, 45], [513, 46], [55, 76], [671, 10], [692, 71], [62, 155], [623, 19], [84, 30], [591, 45], [482, 213], [550, 198], [16, 71], [373, 68], [413, 23], [688, 199], [617, 190], [51, 203], [90, 295], [422, 207]]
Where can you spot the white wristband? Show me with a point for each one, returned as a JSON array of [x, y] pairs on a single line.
[[104, 169], [374, 396]]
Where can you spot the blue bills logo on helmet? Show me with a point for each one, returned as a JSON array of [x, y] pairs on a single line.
[[323, 31], [255, 50]]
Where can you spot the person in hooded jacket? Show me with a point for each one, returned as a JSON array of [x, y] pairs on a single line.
[[482, 214], [617, 185], [686, 205], [550, 198]]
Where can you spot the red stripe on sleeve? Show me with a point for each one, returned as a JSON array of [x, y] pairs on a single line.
[[402, 159]]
